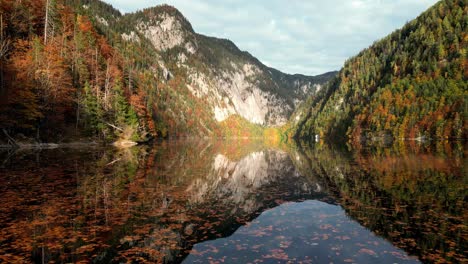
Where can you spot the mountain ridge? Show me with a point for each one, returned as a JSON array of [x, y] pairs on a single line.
[[216, 50], [168, 79]]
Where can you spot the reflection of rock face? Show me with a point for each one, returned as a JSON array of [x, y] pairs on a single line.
[[212, 194], [183, 193], [150, 203], [241, 183]]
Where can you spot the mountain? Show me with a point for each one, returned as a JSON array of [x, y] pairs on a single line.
[[411, 84], [232, 82], [136, 75]]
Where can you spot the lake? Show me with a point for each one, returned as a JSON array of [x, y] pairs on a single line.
[[201, 201]]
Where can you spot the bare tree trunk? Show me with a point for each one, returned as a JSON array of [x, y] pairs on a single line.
[[78, 108], [46, 24], [96, 70], [2, 82], [129, 79], [49, 26], [115, 127], [3, 44], [106, 88]]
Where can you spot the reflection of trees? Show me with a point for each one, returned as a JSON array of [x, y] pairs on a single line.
[[139, 204], [411, 196], [148, 204], [208, 190], [40, 213], [60, 205]]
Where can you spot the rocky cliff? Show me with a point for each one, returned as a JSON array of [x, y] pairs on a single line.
[[145, 73], [230, 81]]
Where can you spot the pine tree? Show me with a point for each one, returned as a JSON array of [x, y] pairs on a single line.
[[93, 112], [124, 114]]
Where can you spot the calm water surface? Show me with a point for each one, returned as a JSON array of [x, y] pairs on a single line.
[[234, 202]]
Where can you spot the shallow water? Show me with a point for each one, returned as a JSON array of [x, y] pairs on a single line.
[[234, 202]]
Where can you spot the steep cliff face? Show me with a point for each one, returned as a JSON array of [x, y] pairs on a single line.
[[230, 81]]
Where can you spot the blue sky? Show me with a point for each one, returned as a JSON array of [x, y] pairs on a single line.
[[296, 36]]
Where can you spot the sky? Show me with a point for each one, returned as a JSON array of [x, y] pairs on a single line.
[[295, 36]]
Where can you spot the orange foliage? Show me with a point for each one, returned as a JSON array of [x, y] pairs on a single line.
[[20, 100], [84, 24]]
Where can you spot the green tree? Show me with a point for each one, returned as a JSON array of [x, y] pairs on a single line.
[[124, 114], [93, 114]]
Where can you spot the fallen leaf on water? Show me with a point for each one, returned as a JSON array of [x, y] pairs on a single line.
[[368, 251]]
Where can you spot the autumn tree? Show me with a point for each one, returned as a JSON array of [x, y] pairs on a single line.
[[20, 100]]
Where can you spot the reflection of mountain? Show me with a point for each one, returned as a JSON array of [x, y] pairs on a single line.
[[221, 194], [155, 204], [239, 183]]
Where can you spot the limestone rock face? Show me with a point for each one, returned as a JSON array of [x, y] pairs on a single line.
[[230, 81], [164, 32]]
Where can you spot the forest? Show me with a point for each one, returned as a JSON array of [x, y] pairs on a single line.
[[66, 74], [409, 85], [60, 76], [69, 69], [75, 69]]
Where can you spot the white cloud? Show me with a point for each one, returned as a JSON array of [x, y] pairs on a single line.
[[295, 36]]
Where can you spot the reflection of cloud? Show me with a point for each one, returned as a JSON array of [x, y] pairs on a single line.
[[291, 33]]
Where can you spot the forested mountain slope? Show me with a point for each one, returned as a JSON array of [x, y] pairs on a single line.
[[80, 65], [59, 74], [411, 84]]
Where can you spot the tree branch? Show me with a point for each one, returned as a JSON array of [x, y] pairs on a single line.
[[115, 127], [10, 139]]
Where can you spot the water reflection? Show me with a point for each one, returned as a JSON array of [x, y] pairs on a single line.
[[244, 185], [413, 195], [307, 232], [196, 200]]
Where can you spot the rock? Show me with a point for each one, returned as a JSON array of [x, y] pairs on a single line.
[[124, 144]]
